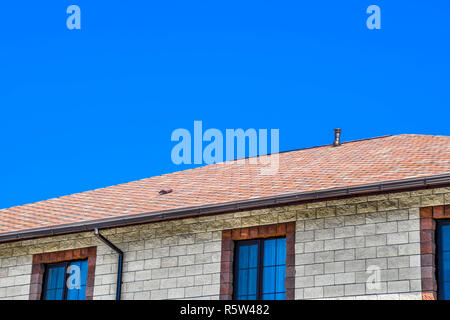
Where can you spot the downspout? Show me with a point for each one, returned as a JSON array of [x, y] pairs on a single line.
[[120, 262]]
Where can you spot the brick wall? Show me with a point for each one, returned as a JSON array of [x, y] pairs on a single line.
[[335, 243], [333, 253]]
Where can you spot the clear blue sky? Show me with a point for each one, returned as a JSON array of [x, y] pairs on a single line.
[[96, 107]]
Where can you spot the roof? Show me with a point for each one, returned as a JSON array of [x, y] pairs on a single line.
[[301, 172]]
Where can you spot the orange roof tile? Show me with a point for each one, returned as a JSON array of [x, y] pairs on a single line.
[[351, 164]]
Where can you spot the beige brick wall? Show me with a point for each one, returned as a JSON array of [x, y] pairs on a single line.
[[334, 254], [336, 241]]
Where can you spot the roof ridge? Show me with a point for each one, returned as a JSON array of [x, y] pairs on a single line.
[[342, 142], [209, 165]]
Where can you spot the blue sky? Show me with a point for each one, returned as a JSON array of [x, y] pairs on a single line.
[[84, 109]]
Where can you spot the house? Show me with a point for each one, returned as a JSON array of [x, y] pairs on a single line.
[[363, 219]]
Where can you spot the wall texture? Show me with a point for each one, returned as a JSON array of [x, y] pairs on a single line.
[[336, 241]]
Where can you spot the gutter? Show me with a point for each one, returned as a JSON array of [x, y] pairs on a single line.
[[119, 264], [250, 204]]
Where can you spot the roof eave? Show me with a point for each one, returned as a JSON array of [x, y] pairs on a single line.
[[251, 204]]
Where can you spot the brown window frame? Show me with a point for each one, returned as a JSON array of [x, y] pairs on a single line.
[[40, 261], [229, 237], [428, 254]]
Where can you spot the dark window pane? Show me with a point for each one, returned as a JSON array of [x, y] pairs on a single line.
[[252, 281], [253, 256], [268, 296], [280, 276], [247, 272], [445, 291], [66, 281], [443, 246], [445, 271], [269, 279], [281, 252], [280, 296], [243, 257], [243, 283], [445, 237], [76, 282], [55, 283], [270, 252], [272, 271]]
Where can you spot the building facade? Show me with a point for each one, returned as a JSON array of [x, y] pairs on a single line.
[[382, 243], [331, 248]]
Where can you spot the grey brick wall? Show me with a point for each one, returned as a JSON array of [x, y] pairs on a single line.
[[334, 254]]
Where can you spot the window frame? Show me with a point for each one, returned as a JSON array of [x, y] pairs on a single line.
[[41, 260], [66, 264], [260, 264], [230, 236], [431, 218], [439, 256]]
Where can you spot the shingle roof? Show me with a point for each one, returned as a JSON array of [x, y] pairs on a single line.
[[320, 168]]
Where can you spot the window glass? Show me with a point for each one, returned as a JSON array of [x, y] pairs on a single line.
[[274, 269], [444, 261], [247, 273], [66, 280], [445, 239], [260, 269], [77, 291], [55, 283]]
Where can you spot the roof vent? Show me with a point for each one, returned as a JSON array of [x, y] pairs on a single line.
[[165, 191], [337, 137]]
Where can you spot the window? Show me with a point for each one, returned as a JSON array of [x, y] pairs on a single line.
[[443, 248], [50, 272], [265, 258], [65, 281], [260, 269]]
